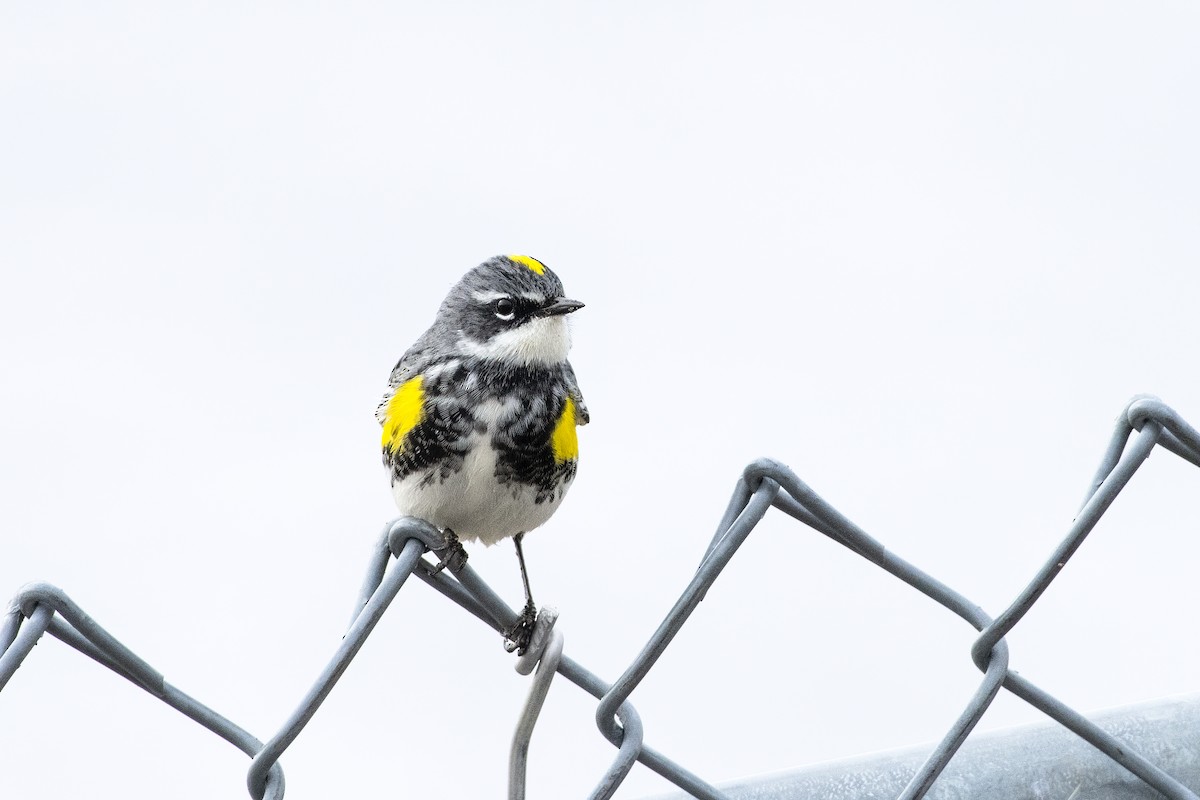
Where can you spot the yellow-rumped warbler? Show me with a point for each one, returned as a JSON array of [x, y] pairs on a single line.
[[479, 417]]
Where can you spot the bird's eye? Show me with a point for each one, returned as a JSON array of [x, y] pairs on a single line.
[[505, 309]]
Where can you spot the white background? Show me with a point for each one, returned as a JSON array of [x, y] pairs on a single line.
[[923, 253]]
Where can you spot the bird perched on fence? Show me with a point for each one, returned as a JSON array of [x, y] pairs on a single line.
[[480, 414]]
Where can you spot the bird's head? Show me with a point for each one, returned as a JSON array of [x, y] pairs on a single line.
[[511, 309]]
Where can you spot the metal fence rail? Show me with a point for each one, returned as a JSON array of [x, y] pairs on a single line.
[[1030, 762], [39, 608]]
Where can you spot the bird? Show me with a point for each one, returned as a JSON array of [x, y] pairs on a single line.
[[480, 414]]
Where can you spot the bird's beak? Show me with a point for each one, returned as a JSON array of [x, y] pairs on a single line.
[[557, 306]]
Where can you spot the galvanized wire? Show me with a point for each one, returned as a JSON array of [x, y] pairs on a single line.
[[545, 652], [40, 608], [47, 608]]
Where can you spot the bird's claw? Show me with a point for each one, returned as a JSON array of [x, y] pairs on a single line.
[[453, 555], [518, 636]]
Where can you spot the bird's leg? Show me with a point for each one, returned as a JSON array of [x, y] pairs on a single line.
[[452, 555], [524, 573], [517, 638]]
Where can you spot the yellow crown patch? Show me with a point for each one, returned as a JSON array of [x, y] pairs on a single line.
[[531, 262]]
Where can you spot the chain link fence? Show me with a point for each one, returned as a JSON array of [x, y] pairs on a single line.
[[40, 608]]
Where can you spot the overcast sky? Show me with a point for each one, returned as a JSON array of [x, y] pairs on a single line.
[[923, 253]]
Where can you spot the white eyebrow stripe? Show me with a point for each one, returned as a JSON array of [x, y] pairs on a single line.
[[491, 297]]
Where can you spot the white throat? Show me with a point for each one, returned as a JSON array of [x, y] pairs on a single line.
[[544, 340]]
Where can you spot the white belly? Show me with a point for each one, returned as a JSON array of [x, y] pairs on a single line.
[[471, 502]]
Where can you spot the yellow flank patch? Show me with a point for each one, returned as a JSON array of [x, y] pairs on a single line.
[[563, 441], [403, 412], [530, 262]]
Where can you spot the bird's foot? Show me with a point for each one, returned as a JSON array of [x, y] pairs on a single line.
[[517, 637], [453, 555]]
